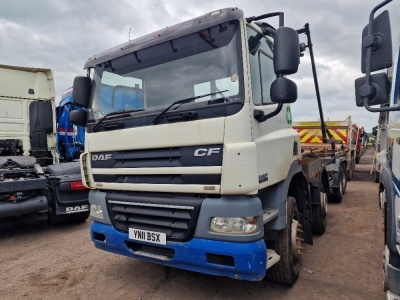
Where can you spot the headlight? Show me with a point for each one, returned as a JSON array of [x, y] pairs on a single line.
[[231, 225], [96, 211]]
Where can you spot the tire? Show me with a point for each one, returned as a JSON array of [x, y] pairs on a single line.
[[319, 212], [344, 177], [350, 173], [358, 156], [79, 217], [337, 192], [287, 269], [385, 262], [54, 219], [376, 176], [382, 201]]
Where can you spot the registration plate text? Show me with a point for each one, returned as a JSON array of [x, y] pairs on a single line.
[[148, 236]]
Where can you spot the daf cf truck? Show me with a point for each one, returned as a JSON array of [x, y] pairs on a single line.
[[190, 153]]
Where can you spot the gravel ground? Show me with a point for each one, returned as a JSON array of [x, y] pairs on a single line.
[[41, 262]]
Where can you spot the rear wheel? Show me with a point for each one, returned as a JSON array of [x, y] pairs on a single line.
[[54, 219], [79, 217], [288, 246], [337, 192], [350, 172], [319, 212], [344, 177], [358, 156], [376, 175]]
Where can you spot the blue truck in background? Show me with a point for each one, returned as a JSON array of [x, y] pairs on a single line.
[[70, 138]]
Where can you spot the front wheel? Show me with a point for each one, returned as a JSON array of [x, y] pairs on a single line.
[[288, 246]]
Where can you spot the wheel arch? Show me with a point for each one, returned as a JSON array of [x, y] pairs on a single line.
[[274, 197]]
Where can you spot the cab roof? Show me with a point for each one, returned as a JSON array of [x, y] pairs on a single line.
[[166, 34]]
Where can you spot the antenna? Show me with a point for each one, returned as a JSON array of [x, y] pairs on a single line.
[[130, 28]]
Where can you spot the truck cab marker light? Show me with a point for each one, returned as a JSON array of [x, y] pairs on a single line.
[[217, 12], [77, 186]]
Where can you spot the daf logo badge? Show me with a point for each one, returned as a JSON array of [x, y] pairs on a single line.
[[101, 157]]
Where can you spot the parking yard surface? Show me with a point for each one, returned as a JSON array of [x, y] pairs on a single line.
[[41, 262]]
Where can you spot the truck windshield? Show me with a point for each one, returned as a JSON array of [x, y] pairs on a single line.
[[151, 79]]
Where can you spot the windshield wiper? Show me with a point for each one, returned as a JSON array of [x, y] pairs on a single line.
[[187, 100], [114, 113]]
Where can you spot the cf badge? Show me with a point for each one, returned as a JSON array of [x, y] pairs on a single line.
[[206, 152]]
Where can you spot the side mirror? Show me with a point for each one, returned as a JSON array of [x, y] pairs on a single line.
[[380, 42], [78, 117], [283, 90], [286, 51], [81, 91], [378, 90]]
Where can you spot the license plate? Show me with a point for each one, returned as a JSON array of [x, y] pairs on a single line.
[[148, 236]]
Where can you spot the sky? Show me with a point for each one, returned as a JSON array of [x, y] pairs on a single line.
[[62, 35]]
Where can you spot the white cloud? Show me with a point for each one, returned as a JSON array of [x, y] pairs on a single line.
[[61, 35]]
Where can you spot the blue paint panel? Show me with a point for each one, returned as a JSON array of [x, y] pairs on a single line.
[[250, 258], [396, 185], [70, 139]]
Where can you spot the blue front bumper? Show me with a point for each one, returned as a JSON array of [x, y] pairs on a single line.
[[248, 263]]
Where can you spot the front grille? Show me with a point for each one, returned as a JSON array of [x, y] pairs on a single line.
[[207, 155], [186, 157], [176, 216]]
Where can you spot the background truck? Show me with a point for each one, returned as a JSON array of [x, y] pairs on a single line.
[[32, 178], [360, 149], [338, 152], [383, 89], [70, 138], [204, 171]]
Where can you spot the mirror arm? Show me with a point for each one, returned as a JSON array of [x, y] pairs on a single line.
[[260, 117], [379, 109]]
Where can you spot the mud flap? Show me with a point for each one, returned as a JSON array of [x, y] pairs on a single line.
[[67, 199]]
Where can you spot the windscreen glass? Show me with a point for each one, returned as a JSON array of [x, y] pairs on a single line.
[[207, 62]]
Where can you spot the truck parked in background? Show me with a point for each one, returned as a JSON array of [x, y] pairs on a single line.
[[32, 178], [338, 152], [70, 138], [383, 89], [360, 149], [190, 153]]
